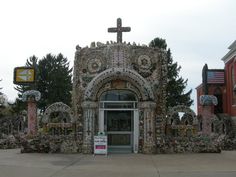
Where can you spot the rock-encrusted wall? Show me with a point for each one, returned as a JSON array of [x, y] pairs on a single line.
[[149, 62], [10, 141], [197, 144], [52, 144], [142, 69]]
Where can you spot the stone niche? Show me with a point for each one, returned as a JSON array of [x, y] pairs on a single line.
[[120, 66]]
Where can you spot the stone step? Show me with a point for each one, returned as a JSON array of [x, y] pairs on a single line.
[[119, 150]]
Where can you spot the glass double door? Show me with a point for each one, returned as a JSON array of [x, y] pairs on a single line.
[[118, 125]]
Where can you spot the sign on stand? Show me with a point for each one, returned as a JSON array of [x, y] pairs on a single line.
[[24, 75], [100, 144]]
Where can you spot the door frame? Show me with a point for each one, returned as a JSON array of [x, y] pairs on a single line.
[[135, 134], [130, 133]]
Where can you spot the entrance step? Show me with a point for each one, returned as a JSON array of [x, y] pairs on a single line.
[[119, 150]]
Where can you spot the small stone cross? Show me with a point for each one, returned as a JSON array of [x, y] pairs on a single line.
[[88, 132], [119, 29], [149, 133]]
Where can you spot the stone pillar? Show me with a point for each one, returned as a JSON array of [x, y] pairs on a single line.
[[149, 143], [32, 116], [89, 113], [207, 101], [31, 96]]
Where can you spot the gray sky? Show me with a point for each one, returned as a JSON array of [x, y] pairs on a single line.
[[196, 31]]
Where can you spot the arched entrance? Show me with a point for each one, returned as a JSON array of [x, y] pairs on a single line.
[[123, 96], [118, 118]]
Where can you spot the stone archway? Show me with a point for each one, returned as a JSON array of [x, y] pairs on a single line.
[[119, 73], [58, 119], [132, 81], [184, 109], [57, 107], [178, 124]]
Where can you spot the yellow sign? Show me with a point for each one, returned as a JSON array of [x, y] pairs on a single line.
[[24, 75]]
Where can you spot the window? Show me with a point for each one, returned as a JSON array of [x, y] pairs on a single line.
[[232, 84], [118, 95], [118, 99]]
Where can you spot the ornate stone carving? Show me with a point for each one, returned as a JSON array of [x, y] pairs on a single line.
[[189, 114], [208, 100], [118, 55], [118, 73], [128, 86], [57, 107], [92, 62], [144, 62], [148, 109], [89, 109], [31, 93], [89, 104], [94, 65]]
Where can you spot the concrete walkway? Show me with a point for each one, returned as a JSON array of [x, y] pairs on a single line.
[[15, 164]]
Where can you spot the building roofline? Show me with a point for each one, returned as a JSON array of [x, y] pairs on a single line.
[[231, 53], [233, 45], [199, 86]]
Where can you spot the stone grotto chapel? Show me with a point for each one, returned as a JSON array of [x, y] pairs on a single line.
[[119, 88]]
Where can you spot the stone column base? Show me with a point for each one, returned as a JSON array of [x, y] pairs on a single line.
[[87, 149], [149, 149]]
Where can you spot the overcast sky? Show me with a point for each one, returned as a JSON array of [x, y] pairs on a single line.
[[196, 31]]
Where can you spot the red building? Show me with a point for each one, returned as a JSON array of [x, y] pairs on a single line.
[[220, 83], [230, 76], [213, 83]]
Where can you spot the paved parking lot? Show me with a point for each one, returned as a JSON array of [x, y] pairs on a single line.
[[15, 164]]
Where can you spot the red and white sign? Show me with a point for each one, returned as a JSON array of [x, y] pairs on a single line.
[[100, 144]]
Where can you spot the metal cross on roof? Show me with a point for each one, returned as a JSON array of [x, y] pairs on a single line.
[[119, 29]]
